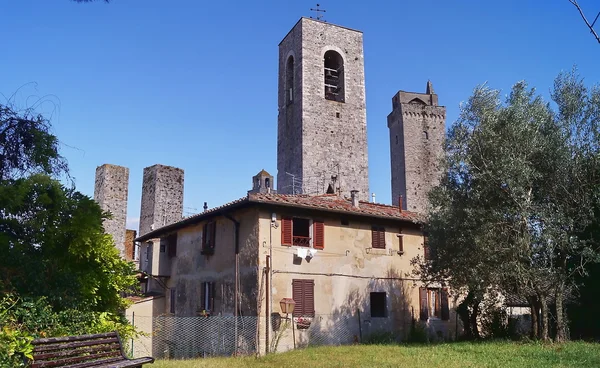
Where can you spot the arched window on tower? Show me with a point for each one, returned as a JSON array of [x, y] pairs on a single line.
[[334, 76], [267, 183], [289, 80]]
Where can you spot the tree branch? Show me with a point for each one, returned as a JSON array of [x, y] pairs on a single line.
[[590, 26]]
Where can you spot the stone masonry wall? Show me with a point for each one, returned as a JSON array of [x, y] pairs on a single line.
[[162, 197], [111, 191], [417, 133], [332, 135], [130, 235]]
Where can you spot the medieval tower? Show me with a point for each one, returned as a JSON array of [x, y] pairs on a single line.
[[110, 192], [417, 128], [162, 197], [322, 123]]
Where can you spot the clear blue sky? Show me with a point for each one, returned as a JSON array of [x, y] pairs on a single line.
[[193, 84]]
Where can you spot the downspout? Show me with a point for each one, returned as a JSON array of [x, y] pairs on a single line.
[[237, 274]]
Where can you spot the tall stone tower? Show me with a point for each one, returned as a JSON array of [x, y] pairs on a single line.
[[111, 191], [322, 123], [162, 197], [417, 129]]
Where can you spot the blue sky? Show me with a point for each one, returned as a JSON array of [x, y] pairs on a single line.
[[193, 84]]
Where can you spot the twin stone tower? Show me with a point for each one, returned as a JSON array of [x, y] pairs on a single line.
[[321, 135]]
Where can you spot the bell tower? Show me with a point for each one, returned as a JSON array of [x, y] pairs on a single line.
[[322, 123]]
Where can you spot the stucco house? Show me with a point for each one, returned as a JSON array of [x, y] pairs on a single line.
[[337, 258]]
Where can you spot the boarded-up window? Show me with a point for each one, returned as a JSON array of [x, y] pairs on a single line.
[[209, 234], [207, 296], [303, 293], [319, 235], [378, 304], [172, 245], [378, 237]]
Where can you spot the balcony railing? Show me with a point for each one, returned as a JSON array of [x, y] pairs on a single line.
[[301, 241]]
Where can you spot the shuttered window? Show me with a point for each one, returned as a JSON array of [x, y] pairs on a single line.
[[209, 234], [319, 235], [286, 231], [172, 245], [434, 303], [378, 237], [303, 293], [207, 296]]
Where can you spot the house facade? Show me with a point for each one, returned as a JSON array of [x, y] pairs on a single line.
[[345, 263]]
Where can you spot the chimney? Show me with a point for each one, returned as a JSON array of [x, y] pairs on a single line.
[[354, 195], [400, 203], [205, 206], [373, 195]]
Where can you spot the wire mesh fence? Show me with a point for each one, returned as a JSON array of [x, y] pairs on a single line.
[[170, 337]]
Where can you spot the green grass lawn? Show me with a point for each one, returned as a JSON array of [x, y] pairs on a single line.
[[454, 355]]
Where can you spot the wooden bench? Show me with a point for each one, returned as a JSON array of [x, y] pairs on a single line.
[[100, 350]]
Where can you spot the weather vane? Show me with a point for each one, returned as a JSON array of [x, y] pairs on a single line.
[[318, 12]]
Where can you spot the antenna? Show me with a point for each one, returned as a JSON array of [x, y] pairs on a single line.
[[318, 12]]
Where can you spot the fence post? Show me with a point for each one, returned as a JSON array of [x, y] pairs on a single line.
[[133, 324]]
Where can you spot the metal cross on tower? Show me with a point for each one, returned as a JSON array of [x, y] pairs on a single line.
[[318, 12]]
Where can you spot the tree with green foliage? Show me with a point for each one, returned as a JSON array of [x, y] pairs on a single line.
[[520, 187], [60, 273]]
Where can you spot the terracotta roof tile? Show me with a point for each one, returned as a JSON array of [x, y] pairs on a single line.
[[323, 202]]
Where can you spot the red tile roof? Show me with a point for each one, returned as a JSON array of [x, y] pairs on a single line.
[[324, 202]]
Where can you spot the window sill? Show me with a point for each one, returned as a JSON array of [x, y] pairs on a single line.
[[377, 251]]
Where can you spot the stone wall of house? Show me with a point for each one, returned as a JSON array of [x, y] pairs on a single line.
[[162, 197], [129, 245], [319, 138], [417, 130], [110, 191]]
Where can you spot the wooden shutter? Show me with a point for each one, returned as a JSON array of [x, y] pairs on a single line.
[[426, 248], [382, 237], [437, 306], [309, 298], [213, 235], [401, 242], [423, 302], [203, 305], [204, 236], [319, 235], [445, 306], [286, 231], [374, 237], [298, 296]]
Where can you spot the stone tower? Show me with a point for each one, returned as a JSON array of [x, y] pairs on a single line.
[[322, 123], [162, 197], [110, 191], [417, 129], [262, 183]]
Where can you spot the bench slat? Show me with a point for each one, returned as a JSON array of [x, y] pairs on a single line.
[[72, 352], [73, 338], [132, 363], [70, 345], [98, 363], [91, 357]]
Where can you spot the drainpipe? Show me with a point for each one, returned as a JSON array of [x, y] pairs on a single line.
[[237, 274]]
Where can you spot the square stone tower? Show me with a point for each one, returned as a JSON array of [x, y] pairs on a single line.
[[111, 191], [322, 122], [417, 128], [162, 197]]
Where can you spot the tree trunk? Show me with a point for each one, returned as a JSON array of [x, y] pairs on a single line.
[[561, 331], [535, 321], [474, 315], [463, 313], [544, 318]]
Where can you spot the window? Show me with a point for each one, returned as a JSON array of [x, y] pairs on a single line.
[[172, 301], [334, 76], [426, 250], [163, 246], [378, 237], [172, 245], [378, 304], [434, 303], [338, 115], [267, 183], [425, 134], [400, 242], [303, 293], [289, 80], [209, 234], [297, 231], [207, 296]]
